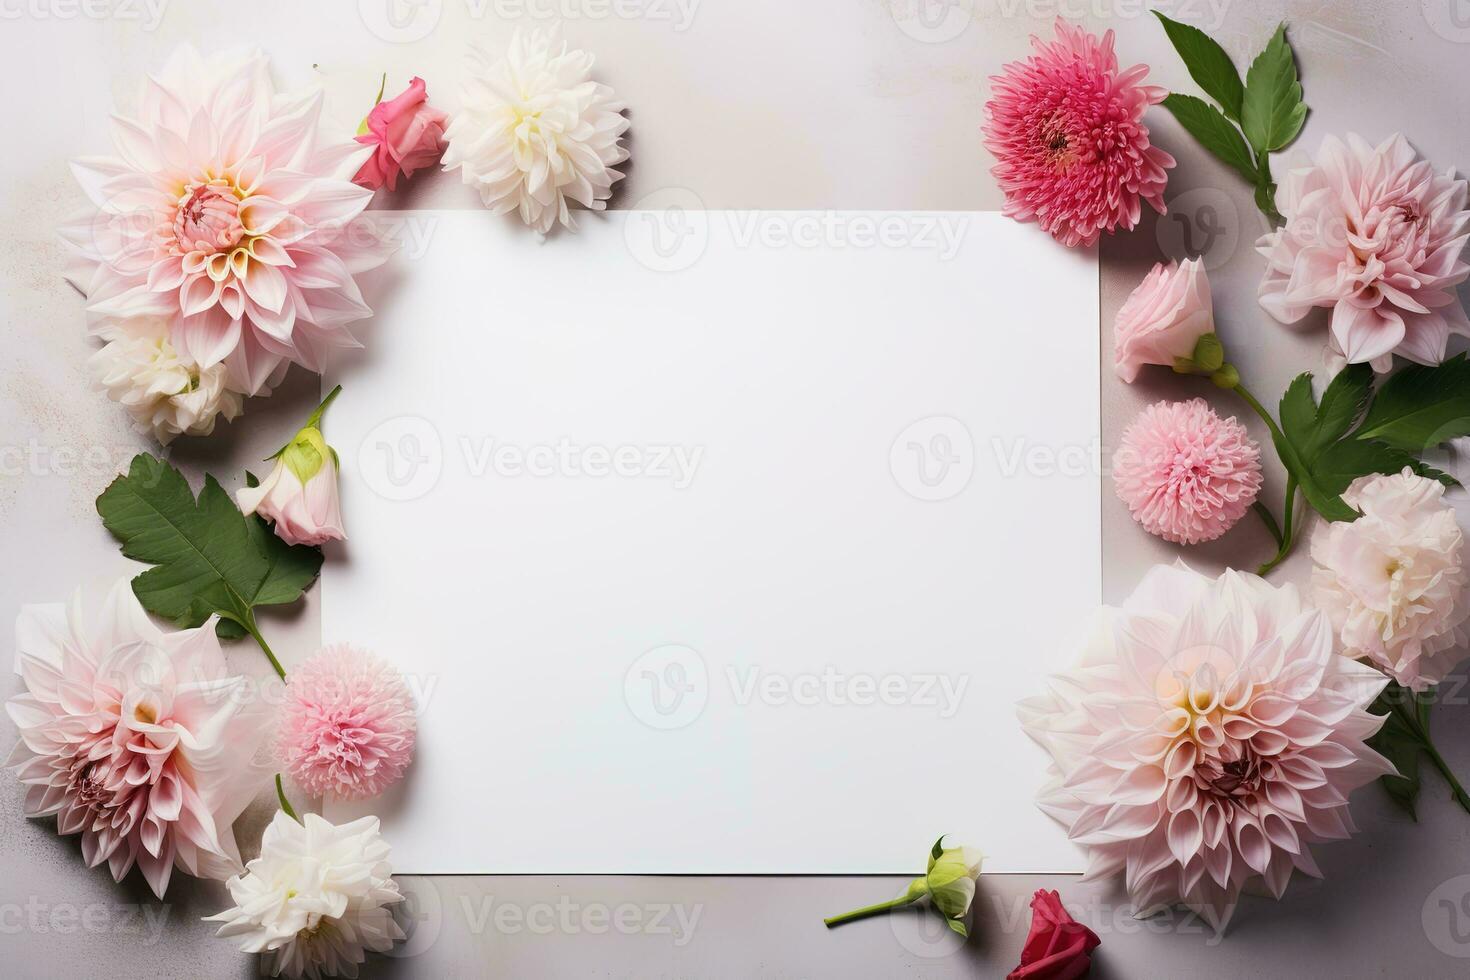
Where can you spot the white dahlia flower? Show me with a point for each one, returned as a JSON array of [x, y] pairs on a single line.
[[227, 215], [1206, 737], [1394, 581], [166, 394], [536, 132], [316, 900]]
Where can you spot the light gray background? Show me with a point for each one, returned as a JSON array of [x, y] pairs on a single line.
[[752, 104]]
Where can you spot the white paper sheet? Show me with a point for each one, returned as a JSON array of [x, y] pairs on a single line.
[[720, 542]]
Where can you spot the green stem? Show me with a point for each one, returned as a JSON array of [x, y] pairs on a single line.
[[1269, 519], [254, 631], [1288, 534], [1259, 409], [1415, 723], [315, 422], [285, 803], [868, 910]]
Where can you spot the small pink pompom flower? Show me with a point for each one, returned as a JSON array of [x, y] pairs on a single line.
[[348, 725], [1186, 474], [1066, 127]]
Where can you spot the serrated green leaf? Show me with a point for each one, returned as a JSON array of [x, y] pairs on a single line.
[[1208, 64], [1420, 407], [1213, 131], [1312, 428], [207, 557], [1272, 111], [1343, 462]]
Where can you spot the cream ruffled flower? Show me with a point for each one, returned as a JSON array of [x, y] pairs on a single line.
[[1394, 581], [137, 739], [166, 393], [1208, 735], [535, 131], [316, 900]]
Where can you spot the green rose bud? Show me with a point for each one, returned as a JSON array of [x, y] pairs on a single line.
[[948, 883]]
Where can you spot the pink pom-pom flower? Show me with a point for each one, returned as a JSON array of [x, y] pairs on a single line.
[[348, 725], [1186, 474], [1066, 128]]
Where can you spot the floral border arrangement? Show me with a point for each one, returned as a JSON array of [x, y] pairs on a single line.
[[1212, 728]]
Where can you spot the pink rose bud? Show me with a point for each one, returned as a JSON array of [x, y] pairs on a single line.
[[408, 134], [1058, 946], [300, 495], [1163, 320]]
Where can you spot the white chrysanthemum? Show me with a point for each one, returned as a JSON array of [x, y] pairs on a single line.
[[316, 899], [536, 132], [1208, 736], [1394, 581], [166, 394]]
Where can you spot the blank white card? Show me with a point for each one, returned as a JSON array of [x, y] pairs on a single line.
[[720, 542]]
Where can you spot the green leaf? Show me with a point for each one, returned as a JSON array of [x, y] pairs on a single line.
[[207, 557], [1215, 133], [1272, 111], [1312, 428], [1420, 406], [1401, 745], [1208, 64], [1343, 462]]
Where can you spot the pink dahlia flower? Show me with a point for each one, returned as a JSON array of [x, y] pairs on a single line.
[[1207, 736], [227, 215], [348, 725], [1066, 128], [137, 739], [1376, 235], [1186, 474]]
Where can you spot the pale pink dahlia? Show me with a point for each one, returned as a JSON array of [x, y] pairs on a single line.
[[137, 739], [1376, 235], [347, 727], [226, 213], [1207, 736], [1066, 128], [1186, 474]]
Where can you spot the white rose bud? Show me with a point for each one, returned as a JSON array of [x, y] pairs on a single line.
[[300, 495]]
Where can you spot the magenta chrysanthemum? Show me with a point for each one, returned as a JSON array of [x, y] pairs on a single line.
[[347, 727], [1186, 474], [1066, 127], [1207, 736]]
